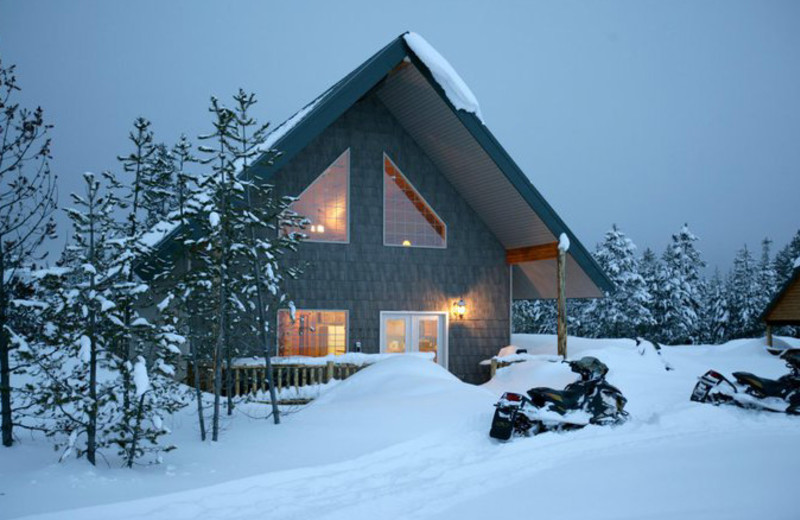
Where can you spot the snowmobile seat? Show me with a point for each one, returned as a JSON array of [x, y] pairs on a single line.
[[764, 386], [569, 398]]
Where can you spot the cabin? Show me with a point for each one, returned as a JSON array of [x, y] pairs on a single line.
[[422, 228], [784, 309]]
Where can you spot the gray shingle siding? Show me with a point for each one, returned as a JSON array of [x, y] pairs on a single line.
[[365, 277]]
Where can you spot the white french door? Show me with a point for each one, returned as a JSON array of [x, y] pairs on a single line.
[[415, 332]]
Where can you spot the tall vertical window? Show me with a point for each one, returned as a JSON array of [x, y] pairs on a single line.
[[312, 333], [408, 220], [325, 203]]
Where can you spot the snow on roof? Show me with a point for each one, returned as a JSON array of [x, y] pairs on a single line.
[[445, 75]]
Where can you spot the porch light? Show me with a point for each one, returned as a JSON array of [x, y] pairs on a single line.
[[460, 308], [406, 243]]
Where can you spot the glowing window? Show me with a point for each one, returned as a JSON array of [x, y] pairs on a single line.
[[312, 333], [407, 219], [325, 203]]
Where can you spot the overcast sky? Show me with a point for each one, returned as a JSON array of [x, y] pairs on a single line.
[[643, 114]]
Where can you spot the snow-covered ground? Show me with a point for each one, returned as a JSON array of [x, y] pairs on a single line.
[[405, 439]]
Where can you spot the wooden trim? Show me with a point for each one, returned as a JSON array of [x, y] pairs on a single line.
[[532, 253]]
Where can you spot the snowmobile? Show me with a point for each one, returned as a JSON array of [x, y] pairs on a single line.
[[590, 400], [753, 392]]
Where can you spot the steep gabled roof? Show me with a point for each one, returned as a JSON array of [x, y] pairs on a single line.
[[790, 284], [496, 187]]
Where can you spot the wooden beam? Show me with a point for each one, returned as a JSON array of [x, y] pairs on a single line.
[[532, 253], [562, 303]]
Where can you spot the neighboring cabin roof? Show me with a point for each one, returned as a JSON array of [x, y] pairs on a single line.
[[784, 309], [423, 97]]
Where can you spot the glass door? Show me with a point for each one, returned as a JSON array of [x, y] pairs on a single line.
[[415, 332]]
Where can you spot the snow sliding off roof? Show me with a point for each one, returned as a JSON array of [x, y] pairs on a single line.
[[437, 108]]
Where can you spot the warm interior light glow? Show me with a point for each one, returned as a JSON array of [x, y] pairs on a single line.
[[320, 229], [313, 228], [460, 308], [406, 242]]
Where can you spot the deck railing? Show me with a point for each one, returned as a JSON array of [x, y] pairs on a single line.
[[252, 379]]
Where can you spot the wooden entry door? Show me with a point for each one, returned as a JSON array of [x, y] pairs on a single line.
[[415, 332]]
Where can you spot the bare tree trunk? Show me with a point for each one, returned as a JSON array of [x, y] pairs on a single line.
[[91, 428], [198, 393], [136, 430], [228, 377], [5, 361]]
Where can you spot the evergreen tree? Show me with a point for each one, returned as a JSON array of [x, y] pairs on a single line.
[[27, 201], [649, 269], [158, 185], [534, 316], [744, 295], [624, 312], [680, 290], [258, 231], [146, 347], [785, 260], [75, 361], [192, 291], [716, 318]]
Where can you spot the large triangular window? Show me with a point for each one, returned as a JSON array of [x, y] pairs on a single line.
[[325, 203], [408, 220]]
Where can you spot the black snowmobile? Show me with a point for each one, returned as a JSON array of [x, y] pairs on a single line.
[[753, 392], [590, 400]]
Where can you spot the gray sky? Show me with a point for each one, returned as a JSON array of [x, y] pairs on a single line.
[[643, 114]]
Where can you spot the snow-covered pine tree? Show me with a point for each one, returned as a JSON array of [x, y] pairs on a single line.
[[715, 314], [158, 185], [219, 211], [147, 346], [27, 201], [625, 312], [75, 360], [649, 267], [785, 260], [767, 276], [534, 316], [257, 236], [744, 299], [192, 293], [680, 290]]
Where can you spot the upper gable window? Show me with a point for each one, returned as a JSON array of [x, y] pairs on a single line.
[[407, 219], [325, 203]]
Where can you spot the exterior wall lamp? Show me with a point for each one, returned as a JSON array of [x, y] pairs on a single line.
[[460, 308]]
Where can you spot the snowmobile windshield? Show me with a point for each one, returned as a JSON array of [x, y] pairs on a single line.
[[589, 367], [792, 358]]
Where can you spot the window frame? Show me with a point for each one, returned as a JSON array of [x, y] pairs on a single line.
[[297, 310], [430, 206], [347, 202]]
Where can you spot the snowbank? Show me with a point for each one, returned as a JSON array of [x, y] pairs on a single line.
[[403, 438]]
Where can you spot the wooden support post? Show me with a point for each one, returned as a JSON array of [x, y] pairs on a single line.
[[328, 371], [237, 384], [562, 304], [279, 377], [492, 368], [254, 375], [769, 335]]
